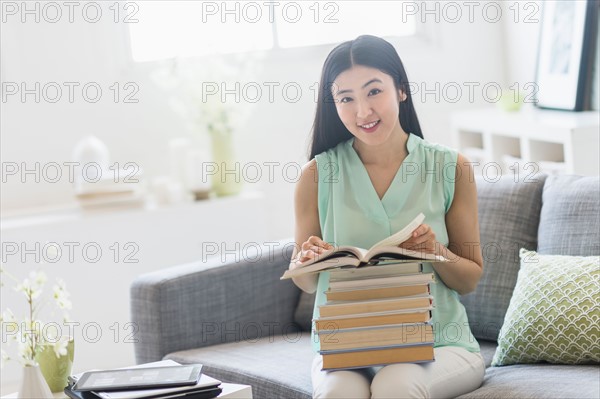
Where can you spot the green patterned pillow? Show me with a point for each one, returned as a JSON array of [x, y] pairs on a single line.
[[554, 312]]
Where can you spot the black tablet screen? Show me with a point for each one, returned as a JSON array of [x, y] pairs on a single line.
[[139, 377]]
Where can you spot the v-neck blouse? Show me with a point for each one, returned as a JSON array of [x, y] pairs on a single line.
[[351, 213]]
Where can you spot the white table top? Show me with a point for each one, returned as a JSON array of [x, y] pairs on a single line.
[[230, 391]]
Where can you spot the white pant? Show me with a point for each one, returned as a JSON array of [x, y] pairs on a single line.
[[454, 372]]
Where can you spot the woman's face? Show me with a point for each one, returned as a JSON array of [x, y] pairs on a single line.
[[367, 103]]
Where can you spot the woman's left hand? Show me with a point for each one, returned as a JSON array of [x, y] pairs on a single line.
[[422, 240]]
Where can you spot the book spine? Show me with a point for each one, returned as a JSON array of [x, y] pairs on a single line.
[[372, 272], [351, 308], [408, 326], [369, 357], [339, 323], [374, 348], [374, 365], [411, 279], [376, 293]]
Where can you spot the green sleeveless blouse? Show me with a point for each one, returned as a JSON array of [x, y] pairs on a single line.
[[351, 213]]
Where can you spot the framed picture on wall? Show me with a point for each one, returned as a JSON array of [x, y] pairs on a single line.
[[566, 54]]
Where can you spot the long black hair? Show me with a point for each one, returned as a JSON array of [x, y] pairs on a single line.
[[371, 51]]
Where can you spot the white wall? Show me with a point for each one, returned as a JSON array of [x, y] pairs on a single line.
[[84, 52], [449, 53], [521, 30]]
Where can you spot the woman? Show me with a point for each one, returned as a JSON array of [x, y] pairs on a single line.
[[370, 173]]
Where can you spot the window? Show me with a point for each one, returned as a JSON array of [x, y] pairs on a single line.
[[334, 22], [166, 29]]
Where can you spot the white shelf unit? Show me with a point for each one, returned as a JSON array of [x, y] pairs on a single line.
[[554, 141]]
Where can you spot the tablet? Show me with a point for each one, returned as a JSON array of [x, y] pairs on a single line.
[[139, 378]]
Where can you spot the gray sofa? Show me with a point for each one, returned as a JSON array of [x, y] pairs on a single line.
[[246, 326]]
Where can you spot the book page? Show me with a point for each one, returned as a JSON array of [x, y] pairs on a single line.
[[395, 252], [330, 263], [402, 235], [326, 260], [343, 250]]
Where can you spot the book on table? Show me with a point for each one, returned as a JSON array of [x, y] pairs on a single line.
[[384, 252], [205, 388]]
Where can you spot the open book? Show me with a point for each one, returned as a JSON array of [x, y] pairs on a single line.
[[385, 251]]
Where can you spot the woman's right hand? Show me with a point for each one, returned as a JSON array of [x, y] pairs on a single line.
[[312, 248]]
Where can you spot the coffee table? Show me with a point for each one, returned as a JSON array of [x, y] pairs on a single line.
[[230, 391]]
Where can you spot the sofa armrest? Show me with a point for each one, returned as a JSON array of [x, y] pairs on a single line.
[[213, 302]]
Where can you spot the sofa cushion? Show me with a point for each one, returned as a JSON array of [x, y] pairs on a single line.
[[487, 348], [570, 216], [554, 312], [275, 366], [538, 381], [304, 311], [509, 215]]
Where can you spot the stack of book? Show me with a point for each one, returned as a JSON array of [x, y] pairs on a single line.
[[376, 315], [111, 188], [378, 308], [204, 388]]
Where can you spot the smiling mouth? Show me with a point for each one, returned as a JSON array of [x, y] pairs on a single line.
[[370, 125]]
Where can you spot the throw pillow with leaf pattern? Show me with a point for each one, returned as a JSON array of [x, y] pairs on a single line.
[[554, 312]]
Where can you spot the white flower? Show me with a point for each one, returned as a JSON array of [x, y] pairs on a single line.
[[60, 346], [10, 326], [24, 287], [25, 353], [27, 332], [39, 278], [4, 358], [32, 330], [61, 295], [7, 316], [32, 287]]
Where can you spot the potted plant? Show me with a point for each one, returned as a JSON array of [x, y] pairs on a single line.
[[46, 355], [194, 88]]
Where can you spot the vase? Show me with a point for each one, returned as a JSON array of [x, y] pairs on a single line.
[[91, 152], [227, 179], [33, 384], [56, 370]]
